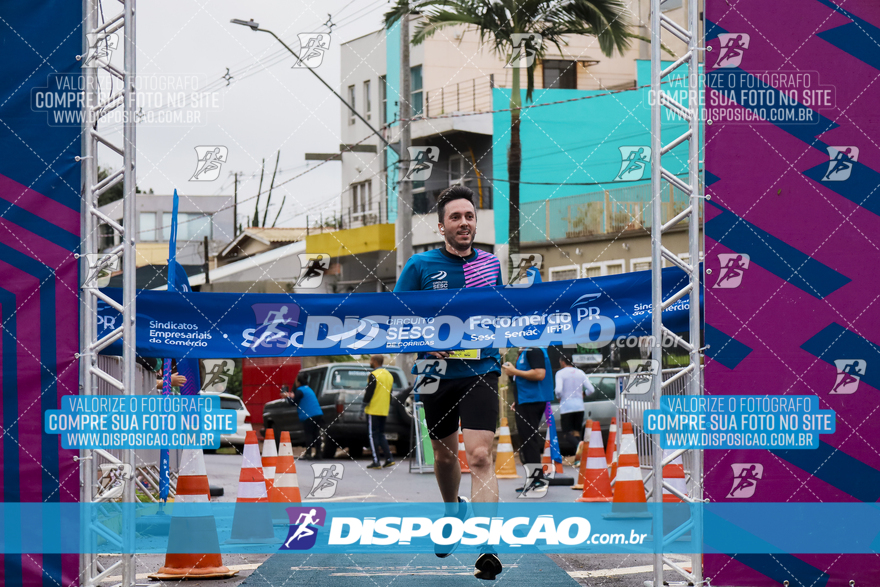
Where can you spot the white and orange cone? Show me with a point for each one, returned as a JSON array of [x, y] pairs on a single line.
[[505, 465], [286, 486], [546, 459], [270, 459], [629, 488], [612, 442], [251, 523], [462, 453], [189, 526], [582, 451], [597, 485]]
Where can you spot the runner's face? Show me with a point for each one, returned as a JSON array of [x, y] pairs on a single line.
[[459, 225]]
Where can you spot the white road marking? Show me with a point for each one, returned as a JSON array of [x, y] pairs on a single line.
[[338, 498], [618, 571]]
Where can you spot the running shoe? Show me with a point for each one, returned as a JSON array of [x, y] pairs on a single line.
[[488, 566], [444, 550]]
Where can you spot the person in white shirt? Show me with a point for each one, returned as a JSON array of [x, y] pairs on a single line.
[[572, 385]]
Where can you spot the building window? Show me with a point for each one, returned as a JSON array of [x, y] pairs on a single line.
[[147, 222], [460, 172], [601, 268], [383, 100], [416, 88], [107, 236], [352, 104], [564, 273], [667, 5], [361, 197], [641, 264], [368, 103], [560, 75], [190, 226]]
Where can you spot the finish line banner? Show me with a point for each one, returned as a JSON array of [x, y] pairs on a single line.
[[210, 325]]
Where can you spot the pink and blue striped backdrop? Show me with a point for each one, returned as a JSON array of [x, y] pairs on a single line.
[[811, 294], [39, 234]]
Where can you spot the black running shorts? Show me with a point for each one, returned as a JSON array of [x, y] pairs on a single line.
[[473, 399]]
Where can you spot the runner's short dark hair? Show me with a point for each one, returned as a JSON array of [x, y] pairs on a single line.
[[456, 192]]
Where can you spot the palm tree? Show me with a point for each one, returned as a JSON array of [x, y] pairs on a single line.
[[499, 23]]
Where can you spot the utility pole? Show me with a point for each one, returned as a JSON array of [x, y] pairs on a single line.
[[403, 226], [207, 261], [235, 208]]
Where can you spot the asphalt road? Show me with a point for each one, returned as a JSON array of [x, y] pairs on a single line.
[[360, 484]]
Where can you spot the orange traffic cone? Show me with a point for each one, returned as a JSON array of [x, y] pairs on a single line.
[[188, 528], [251, 523], [673, 474], [546, 459], [582, 454], [597, 486], [286, 486], [462, 453], [505, 467], [629, 488], [612, 442], [270, 459], [614, 460]]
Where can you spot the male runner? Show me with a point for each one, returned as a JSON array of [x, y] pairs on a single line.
[[469, 388]]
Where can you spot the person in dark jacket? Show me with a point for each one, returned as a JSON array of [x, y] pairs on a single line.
[[310, 414]]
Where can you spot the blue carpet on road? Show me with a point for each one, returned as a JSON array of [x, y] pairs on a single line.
[[426, 570]]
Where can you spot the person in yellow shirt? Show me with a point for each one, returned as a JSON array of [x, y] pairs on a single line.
[[378, 400]]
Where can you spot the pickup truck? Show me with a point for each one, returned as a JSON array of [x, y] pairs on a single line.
[[340, 391]]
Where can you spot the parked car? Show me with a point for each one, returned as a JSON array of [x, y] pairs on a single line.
[[233, 402], [598, 406], [340, 391]]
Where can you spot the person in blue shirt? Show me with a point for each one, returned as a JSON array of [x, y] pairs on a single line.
[[468, 389], [310, 414], [533, 377]]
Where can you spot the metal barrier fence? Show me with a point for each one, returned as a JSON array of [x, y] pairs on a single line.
[[632, 411], [146, 460]]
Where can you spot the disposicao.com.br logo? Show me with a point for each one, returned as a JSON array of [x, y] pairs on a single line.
[[475, 531]]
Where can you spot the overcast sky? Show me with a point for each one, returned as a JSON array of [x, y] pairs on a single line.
[[266, 107]]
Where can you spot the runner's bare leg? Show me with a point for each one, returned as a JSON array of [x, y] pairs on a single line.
[[484, 485], [447, 471]]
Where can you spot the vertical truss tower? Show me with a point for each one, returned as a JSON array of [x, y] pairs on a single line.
[[99, 41], [690, 113]]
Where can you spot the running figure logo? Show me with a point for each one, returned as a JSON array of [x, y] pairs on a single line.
[[211, 159], [326, 480], [536, 480], [429, 372], [101, 45], [635, 161], [849, 373], [421, 163], [521, 265], [840, 163], [101, 268], [525, 49], [312, 49], [217, 374], [730, 53], [732, 270], [745, 480], [642, 374], [303, 533], [312, 269], [275, 322]]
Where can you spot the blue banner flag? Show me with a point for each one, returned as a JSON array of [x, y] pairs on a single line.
[[187, 325], [178, 282]]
